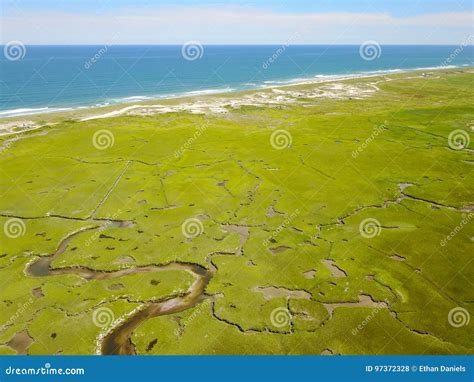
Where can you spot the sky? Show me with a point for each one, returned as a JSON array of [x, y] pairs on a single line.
[[236, 21]]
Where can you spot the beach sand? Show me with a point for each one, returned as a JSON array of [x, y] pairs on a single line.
[[304, 92]]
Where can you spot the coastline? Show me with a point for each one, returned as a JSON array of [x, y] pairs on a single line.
[[12, 124], [331, 163]]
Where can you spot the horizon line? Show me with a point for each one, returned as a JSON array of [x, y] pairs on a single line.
[[226, 44]]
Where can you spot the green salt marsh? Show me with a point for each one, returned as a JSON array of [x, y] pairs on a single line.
[[336, 219]]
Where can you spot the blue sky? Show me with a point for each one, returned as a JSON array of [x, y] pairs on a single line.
[[237, 21], [394, 7]]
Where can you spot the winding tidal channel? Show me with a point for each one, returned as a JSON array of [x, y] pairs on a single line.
[[118, 340]]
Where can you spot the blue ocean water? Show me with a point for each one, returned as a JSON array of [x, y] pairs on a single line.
[[46, 78]]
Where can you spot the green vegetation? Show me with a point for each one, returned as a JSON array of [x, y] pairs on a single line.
[[355, 238]]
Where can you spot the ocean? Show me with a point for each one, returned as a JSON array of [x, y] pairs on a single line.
[[38, 79]]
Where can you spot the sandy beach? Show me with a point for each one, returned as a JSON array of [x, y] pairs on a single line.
[[355, 87]]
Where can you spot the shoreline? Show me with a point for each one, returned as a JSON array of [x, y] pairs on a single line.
[[264, 186], [24, 122]]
